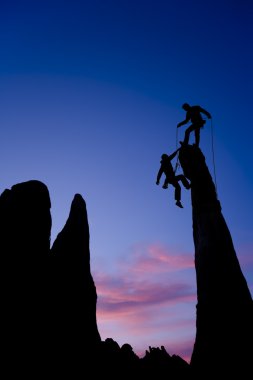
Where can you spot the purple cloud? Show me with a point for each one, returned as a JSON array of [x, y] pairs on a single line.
[[148, 299], [156, 258]]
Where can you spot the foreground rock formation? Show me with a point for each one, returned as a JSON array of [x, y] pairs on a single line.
[[49, 325], [224, 327], [49, 298], [25, 225]]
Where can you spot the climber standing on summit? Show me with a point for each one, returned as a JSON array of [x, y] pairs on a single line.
[[193, 114], [170, 177]]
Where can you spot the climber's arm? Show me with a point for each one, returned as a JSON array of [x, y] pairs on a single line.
[[173, 154], [205, 112], [159, 174], [187, 119]]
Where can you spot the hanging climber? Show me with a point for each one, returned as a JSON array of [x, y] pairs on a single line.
[[193, 114], [170, 177]]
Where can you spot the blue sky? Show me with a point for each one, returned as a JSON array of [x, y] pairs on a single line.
[[90, 95]]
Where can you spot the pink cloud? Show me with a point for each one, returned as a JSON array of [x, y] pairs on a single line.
[[156, 258], [147, 297], [132, 294], [128, 289]]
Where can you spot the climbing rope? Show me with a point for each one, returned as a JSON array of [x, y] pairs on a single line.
[[214, 170]]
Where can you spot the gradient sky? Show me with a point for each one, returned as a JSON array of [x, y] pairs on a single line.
[[90, 96]]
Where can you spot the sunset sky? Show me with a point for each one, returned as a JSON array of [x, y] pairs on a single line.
[[90, 96]]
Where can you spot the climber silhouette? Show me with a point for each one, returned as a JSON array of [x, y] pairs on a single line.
[[193, 114], [170, 177]]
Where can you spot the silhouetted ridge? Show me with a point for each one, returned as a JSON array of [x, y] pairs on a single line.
[[224, 308], [25, 226], [75, 291], [25, 209], [75, 234], [48, 298]]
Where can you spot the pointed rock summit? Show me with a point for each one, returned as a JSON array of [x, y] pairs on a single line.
[[75, 291], [48, 298], [224, 327]]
